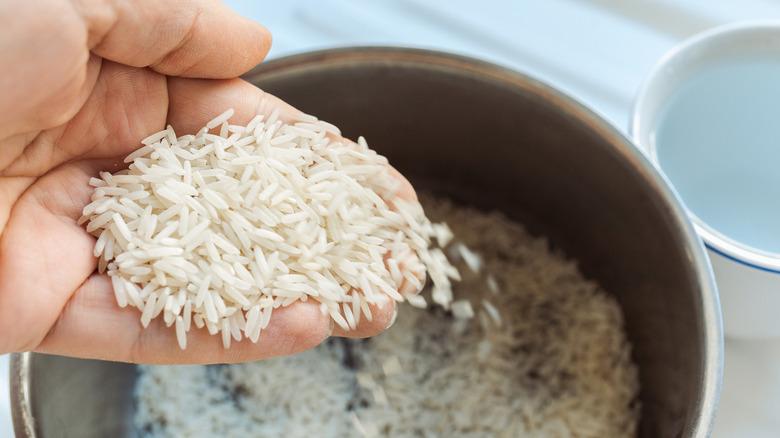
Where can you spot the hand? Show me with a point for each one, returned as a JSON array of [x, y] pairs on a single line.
[[83, 81]]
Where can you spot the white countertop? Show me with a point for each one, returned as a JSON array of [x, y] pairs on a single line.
[[5, 402], [596, 50]]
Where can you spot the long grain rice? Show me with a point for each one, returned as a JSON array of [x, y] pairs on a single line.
[[220, 217], [559, 364]]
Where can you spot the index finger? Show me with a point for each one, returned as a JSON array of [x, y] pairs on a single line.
[[191, 38], [92, 326]]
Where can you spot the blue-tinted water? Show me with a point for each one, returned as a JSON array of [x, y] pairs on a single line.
[[718, 141]]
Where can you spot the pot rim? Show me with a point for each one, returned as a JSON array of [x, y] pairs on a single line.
[[713, 348], [21, 408]]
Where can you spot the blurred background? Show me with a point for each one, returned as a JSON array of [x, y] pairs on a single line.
[[597, 51]]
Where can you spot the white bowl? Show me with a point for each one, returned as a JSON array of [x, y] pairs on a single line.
[[748, 279]]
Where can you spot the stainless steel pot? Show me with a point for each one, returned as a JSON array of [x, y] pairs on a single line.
[[495, 139]]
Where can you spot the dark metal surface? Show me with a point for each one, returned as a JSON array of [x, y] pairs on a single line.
[[495, 139]]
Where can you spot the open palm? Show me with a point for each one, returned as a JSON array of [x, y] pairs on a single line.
[[79, 100]]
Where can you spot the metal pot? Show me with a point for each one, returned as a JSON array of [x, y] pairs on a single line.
[[495, 139]]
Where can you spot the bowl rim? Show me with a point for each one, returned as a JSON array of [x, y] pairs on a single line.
[[712, 348]]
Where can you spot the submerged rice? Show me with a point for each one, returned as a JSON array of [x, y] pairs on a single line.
[[217, 229], [544, 356]]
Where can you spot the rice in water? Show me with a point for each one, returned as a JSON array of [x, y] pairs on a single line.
[[544, 355]]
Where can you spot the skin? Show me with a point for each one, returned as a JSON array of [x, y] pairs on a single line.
[[83, 81]]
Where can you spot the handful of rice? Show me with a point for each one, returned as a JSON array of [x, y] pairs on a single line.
[[220, 228]]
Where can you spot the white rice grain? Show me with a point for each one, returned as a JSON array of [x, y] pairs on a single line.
[[222, 220], [529, 377]]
